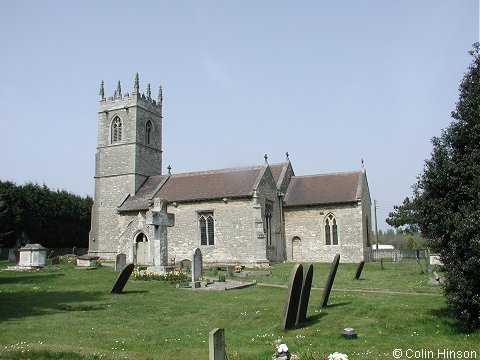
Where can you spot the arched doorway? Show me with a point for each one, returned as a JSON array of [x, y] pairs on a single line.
[[142, 249], [296, 249]]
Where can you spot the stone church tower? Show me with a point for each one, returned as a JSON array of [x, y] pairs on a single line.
[[129, 150]]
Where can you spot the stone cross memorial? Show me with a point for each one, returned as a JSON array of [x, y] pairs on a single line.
[[160, 219], [305, 295], [216, 344], [120, 262], [329, 283], [122, 279], [292, 300]]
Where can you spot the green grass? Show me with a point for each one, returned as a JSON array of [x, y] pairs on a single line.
[[69, 314]]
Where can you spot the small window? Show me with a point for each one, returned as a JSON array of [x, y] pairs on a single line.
[[148, 132], [116, 130], [206, 227], [331, 230], [268, 222]]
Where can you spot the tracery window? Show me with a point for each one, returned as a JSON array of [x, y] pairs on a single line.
[[206, 227], [331, 230], [148, 132], [116, 129]]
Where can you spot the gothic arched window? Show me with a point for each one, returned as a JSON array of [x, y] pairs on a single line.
[[148, 132], [116, 129], [331, 230], [207, 232]]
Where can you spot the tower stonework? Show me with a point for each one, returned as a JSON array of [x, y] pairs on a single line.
[[129, 150]]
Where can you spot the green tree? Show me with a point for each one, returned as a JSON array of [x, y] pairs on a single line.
[[446, 201], [51, 218]]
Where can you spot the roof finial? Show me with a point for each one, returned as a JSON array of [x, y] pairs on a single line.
[[287, 156], [102, 92], [169, 168], [266, 158], [149, 92], [362, 167], [136, 85], [160, 94], [118, 93]]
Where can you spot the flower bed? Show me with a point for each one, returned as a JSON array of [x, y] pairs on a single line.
[[173, 276]]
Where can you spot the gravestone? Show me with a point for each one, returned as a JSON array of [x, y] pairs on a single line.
[[216, 344], [358, 272], [160, 219], [12, 255], [186, 264], [122, 279], [305, 294], [87, 261], [292, 299], [329, 283], [120, 262], [197, 267]]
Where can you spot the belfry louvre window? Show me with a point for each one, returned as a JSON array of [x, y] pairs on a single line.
[[207, 232], [116, 130], [331, 230], [148, 132]]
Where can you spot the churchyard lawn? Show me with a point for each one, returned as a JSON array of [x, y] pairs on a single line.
[[70, 314]]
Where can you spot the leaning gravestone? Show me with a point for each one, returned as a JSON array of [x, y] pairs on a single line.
[[358, 272], [305, 295], [216, 344], [329, 283], [122, 279], [120, 262], [292, 300], [197, 267]]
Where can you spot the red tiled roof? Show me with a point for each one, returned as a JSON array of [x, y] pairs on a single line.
[[323, 189]]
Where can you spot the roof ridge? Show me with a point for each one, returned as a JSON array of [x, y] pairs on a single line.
[[327, 174], [217, 171]]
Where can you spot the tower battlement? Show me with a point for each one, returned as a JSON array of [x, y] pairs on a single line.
[[124, 101]]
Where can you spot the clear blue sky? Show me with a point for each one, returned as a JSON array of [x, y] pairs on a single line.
[[331, 82]]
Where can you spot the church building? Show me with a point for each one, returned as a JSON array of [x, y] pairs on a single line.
[[253, 216]]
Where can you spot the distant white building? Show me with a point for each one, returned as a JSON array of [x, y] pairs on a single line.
[[382, 247]]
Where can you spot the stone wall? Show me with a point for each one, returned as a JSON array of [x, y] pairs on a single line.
[[307, 223], [366, 204], [234, 231]]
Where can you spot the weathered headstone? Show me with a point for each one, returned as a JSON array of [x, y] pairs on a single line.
[[292, 299], [87, 261], [120, 262], [305, 295], [197, 267], [160, 219], [358, 272], [12, 255], [186, 264], [216, 344], [329, 283], [122, 279]]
